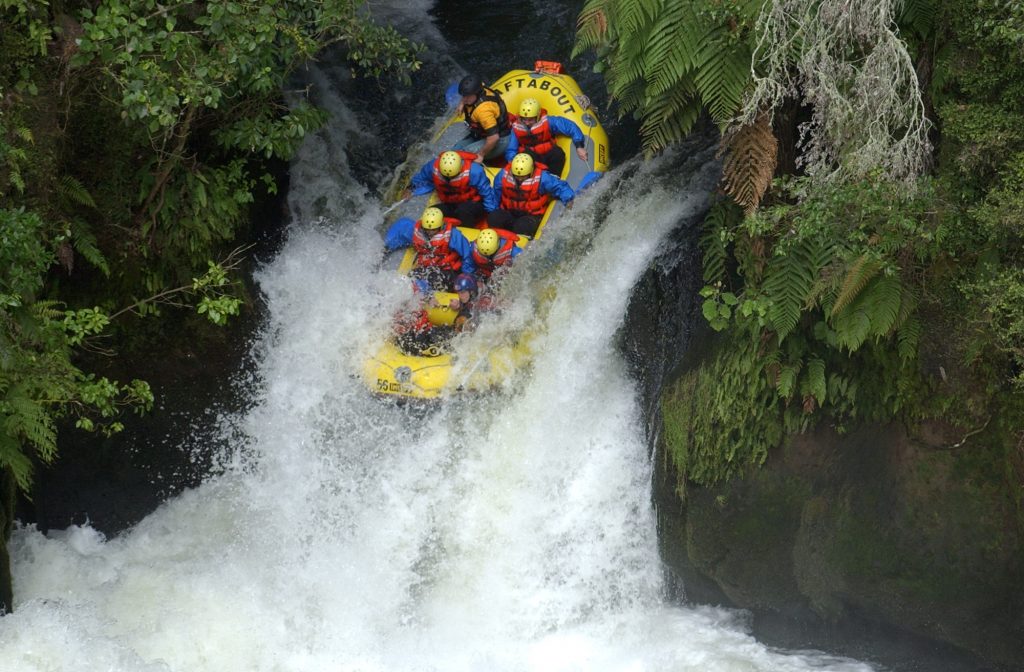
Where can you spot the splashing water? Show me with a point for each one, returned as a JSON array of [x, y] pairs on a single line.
[[512, 531]]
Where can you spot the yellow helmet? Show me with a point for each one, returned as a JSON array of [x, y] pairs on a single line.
[[487, 242], [522, 165], [450, 164], [432, 219], [529, 108]]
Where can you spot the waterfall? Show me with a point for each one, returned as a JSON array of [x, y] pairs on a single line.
[[502, 532]]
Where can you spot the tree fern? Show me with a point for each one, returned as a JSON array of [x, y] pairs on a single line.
[[665, 60], [722, 74], [668, 57]]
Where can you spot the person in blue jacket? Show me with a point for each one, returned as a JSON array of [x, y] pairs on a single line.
[[442, 252], [461, 185], [534, 131], [524, 190]]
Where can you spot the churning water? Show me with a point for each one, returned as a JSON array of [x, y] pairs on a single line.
[[506, 532]]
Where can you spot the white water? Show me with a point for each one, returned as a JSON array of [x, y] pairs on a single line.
[[504, 533], [512, 532]]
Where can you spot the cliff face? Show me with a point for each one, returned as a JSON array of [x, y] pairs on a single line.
[[898, 527]]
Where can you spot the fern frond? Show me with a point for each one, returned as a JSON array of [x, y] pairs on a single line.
[[591, 26], [719, 219], [633, 16], [14, 458], [882, 301], [863, 270], [670, 52], [919, 15], [73, 190], [751, 154], [852, 328], [814, 380], [785, 384], [908, 335], [722, 75], [788, 282], [670, 118], [47, 309], [30, 420], [85, 244]]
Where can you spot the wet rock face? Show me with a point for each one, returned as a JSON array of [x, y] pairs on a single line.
[[879, 525]]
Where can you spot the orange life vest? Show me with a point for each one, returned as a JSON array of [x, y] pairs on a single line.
[[458, 189], [435, 251], [537, 138], [486, 265], [489, 95], [524, 196]]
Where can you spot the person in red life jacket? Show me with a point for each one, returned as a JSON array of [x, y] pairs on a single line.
[[461, 185], [441, 249], [487, 118], [492, 249], [534, 131], [524, 190]]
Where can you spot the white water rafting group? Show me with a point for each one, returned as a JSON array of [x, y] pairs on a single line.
[[506, 166]]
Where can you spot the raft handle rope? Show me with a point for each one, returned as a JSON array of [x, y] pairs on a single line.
[[584, 102]]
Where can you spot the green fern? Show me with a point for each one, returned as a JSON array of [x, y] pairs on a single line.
[[908, 335], [861, 272], [882, 301], [14, 458], [814, 381], [48, 310], [919, 15], [875, 312], [592, 26], [722, 74], [722, 216], [73, 190], [789, 280], [85, 244], [666, 60]]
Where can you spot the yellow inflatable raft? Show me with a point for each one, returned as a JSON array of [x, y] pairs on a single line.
[[428, 373]]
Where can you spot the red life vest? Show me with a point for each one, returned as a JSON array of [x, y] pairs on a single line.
[[489, 95], [417, 322], [538, 138], [524, 196], [486, 265], [435, 251], [458, 189]]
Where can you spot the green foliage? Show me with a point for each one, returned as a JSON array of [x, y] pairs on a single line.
[[723, 417], [134, 137], [824, 325], [665, 60], [215, 303], [39, 384]]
